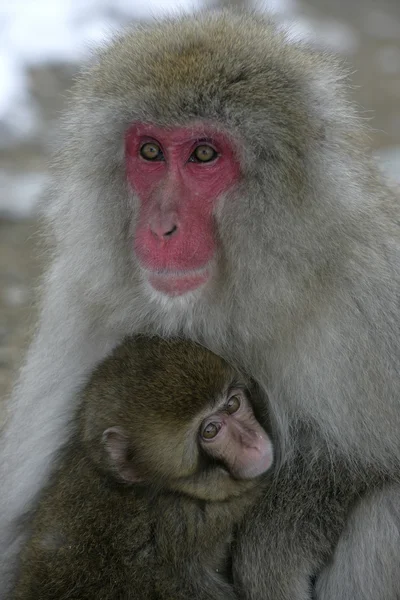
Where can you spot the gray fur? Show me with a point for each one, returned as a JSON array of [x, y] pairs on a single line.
[[308, 295]]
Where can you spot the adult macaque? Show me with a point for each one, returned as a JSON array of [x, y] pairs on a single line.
[[95, 535], [215, 182]]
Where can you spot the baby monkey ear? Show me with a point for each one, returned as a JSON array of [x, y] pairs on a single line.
[[116, 444]]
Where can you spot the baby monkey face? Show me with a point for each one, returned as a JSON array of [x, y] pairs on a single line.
[[232, 435]]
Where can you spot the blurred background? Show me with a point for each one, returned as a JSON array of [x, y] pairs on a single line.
[[42, 44]]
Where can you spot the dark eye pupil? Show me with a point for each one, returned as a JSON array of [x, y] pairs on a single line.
[[204, 153], [210, 431], [150, 151], [233, 404]]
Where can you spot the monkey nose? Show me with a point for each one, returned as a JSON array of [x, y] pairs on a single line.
[[163, 228]]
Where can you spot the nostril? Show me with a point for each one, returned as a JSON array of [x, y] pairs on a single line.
[[171, 231], [164, 227]]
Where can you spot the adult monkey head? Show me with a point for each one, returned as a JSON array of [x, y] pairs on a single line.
[[211, 159], [214, 182]]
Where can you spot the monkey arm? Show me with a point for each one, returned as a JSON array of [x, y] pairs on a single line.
[[290, 535], [41, 405], [194, 549], [371, 537]]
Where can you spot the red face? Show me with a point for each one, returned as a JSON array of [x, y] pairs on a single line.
[[178, 175]]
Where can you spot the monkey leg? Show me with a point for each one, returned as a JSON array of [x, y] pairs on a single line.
[[366, 561]]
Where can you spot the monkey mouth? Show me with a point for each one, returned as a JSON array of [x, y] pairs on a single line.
[[178, 283]]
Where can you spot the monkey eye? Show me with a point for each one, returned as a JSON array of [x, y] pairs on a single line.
[[204, 154], [151, 151], [210, 430], [232, 405]]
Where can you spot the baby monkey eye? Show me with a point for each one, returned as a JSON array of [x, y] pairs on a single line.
[[151, 151], [210, 430], [232, 405], [203, 153]]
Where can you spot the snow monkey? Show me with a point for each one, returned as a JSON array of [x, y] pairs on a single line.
[[214, 182], [148, 490]]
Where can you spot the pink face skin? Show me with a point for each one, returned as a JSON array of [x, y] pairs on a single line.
[[240, 442], [175, 237]]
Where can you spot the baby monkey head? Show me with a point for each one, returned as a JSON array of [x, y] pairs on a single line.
[[171, 414]]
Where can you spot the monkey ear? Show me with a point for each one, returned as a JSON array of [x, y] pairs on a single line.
[[117, 446]]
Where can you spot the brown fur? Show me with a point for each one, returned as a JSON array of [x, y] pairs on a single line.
[[97, 537]]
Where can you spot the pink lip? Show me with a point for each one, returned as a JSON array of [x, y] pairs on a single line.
[[177, 285]]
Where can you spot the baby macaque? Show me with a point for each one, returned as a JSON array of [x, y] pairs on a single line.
[[165, 458]]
